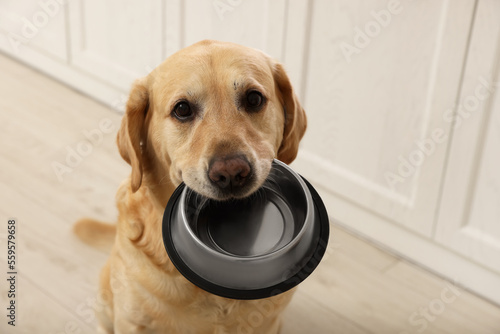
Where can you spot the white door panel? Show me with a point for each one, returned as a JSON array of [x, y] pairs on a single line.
[[469, 219], [376, 134], [34, 24], [258, 24], [116, 48]]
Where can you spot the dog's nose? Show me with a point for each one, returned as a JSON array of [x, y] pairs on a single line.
[[230, 171]]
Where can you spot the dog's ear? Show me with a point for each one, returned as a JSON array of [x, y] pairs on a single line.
[[295, 117], [132, 133]]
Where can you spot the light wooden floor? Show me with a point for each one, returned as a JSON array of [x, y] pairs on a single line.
[[357, 288]]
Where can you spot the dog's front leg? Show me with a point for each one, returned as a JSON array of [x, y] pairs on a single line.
[[104, 303]]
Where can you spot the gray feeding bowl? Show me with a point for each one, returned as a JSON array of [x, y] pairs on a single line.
[[249, 248]]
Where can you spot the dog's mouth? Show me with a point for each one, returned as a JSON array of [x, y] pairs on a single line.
[[229, 182], [235, 191], [225, 194]]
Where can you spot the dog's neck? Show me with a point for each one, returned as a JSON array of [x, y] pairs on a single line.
[[140, 216]]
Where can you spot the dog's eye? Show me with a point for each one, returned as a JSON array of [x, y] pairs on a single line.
[[254, 100], [182, 111]]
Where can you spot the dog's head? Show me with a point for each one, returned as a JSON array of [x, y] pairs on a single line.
[[213, 115]]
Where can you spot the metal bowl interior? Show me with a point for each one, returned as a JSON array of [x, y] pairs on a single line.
[[259, 225]]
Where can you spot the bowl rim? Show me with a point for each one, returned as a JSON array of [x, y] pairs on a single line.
[[246, 294], [277, 252]]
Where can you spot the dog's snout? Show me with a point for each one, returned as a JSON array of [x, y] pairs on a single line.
[[229, 172]]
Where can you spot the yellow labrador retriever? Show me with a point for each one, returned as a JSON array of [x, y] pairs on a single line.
[[214, 115]]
